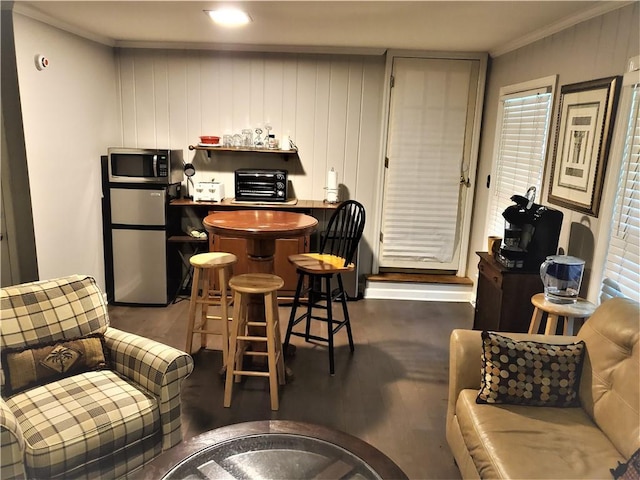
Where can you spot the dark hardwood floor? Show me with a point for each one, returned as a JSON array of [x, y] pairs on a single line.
[[392, 392]]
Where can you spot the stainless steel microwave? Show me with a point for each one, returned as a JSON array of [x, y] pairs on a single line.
[[140, 165]]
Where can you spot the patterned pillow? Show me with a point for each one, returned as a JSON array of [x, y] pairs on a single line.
[[629, 470], [529, 373], [40, 364]]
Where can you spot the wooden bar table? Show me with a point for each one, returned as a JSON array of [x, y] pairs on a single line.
[[261, 228]]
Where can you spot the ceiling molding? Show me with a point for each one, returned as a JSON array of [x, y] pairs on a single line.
[[26, 10], [241, 47], [596, 11], [35, 14]]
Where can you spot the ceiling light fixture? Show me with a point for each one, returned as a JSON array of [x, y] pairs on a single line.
[[229, 17]]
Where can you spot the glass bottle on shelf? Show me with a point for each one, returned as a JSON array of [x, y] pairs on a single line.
[[258, 140], [247, 137]]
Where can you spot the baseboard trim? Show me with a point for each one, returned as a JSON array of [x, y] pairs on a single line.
[[427, 292]]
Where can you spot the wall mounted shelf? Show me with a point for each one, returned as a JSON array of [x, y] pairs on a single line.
[[285, 153]]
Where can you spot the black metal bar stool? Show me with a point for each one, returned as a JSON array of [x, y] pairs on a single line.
[[339, 245]]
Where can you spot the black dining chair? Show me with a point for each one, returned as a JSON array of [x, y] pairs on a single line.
[[338, 247]]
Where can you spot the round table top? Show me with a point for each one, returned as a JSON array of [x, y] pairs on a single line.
[[259, 223], [580, 309], [273, 449]]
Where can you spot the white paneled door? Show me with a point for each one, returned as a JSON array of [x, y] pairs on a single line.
[[429, 145]]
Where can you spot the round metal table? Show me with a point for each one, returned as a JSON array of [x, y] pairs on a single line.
[[273, 449]]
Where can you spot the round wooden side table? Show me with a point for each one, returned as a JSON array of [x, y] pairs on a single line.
[[581, 309]]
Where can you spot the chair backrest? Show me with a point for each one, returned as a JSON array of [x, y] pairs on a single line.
[[46, 311], [344, 231], [50, 310]]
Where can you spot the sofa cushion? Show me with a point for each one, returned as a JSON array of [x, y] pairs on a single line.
[[28, 367], [82, 421], [529, 372], [609, 387], [512, 441]]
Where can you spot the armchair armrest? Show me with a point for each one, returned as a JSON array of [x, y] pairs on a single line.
[[158, 368], [11, 444]]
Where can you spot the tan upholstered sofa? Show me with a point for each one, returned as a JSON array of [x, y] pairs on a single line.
[[520, 442]]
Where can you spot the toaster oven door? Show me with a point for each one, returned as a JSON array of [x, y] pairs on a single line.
[[261, 186]]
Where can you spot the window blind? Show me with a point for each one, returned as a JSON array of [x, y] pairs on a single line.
[[522, 143], [426, 143], [622, 268]]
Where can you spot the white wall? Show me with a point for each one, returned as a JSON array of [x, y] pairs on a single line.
[[330, 106], [70, 116], [597, 48]]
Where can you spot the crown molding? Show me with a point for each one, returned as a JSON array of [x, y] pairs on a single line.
[[241, 47], [35, 14], [26, 10], [600, 9]]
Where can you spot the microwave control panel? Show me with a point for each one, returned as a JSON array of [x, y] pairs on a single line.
[[163, 166]]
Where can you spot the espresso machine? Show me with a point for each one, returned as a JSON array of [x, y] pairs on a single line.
[[531, 233]]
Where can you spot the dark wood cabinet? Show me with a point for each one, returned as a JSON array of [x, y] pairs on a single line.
[[503, 301], [282, 267]]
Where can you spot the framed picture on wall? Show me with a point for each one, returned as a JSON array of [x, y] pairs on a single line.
[[583, 136]]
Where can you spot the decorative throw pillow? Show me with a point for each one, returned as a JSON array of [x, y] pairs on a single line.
[[629, 470], [40, 364], [529, 373]]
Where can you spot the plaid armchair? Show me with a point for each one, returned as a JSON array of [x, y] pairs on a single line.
[[99, 423]]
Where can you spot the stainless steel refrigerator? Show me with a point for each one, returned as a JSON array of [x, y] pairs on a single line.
[[138, 232]]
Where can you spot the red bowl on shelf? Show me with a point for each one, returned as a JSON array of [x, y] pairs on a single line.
[[209, 140]]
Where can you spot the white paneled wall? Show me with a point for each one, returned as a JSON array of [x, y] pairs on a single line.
[[329, 105]]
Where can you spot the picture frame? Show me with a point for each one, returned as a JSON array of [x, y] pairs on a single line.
[[583, 136]]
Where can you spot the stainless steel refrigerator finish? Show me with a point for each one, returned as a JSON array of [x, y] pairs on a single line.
[[139, 236]]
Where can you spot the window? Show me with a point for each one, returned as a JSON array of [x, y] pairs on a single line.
[[522, 132], [622, 266]]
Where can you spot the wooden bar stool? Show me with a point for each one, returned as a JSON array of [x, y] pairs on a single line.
[[243, 330], [204, 296], [581, 309]]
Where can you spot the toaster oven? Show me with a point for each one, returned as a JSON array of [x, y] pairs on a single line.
[[261, 185]]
